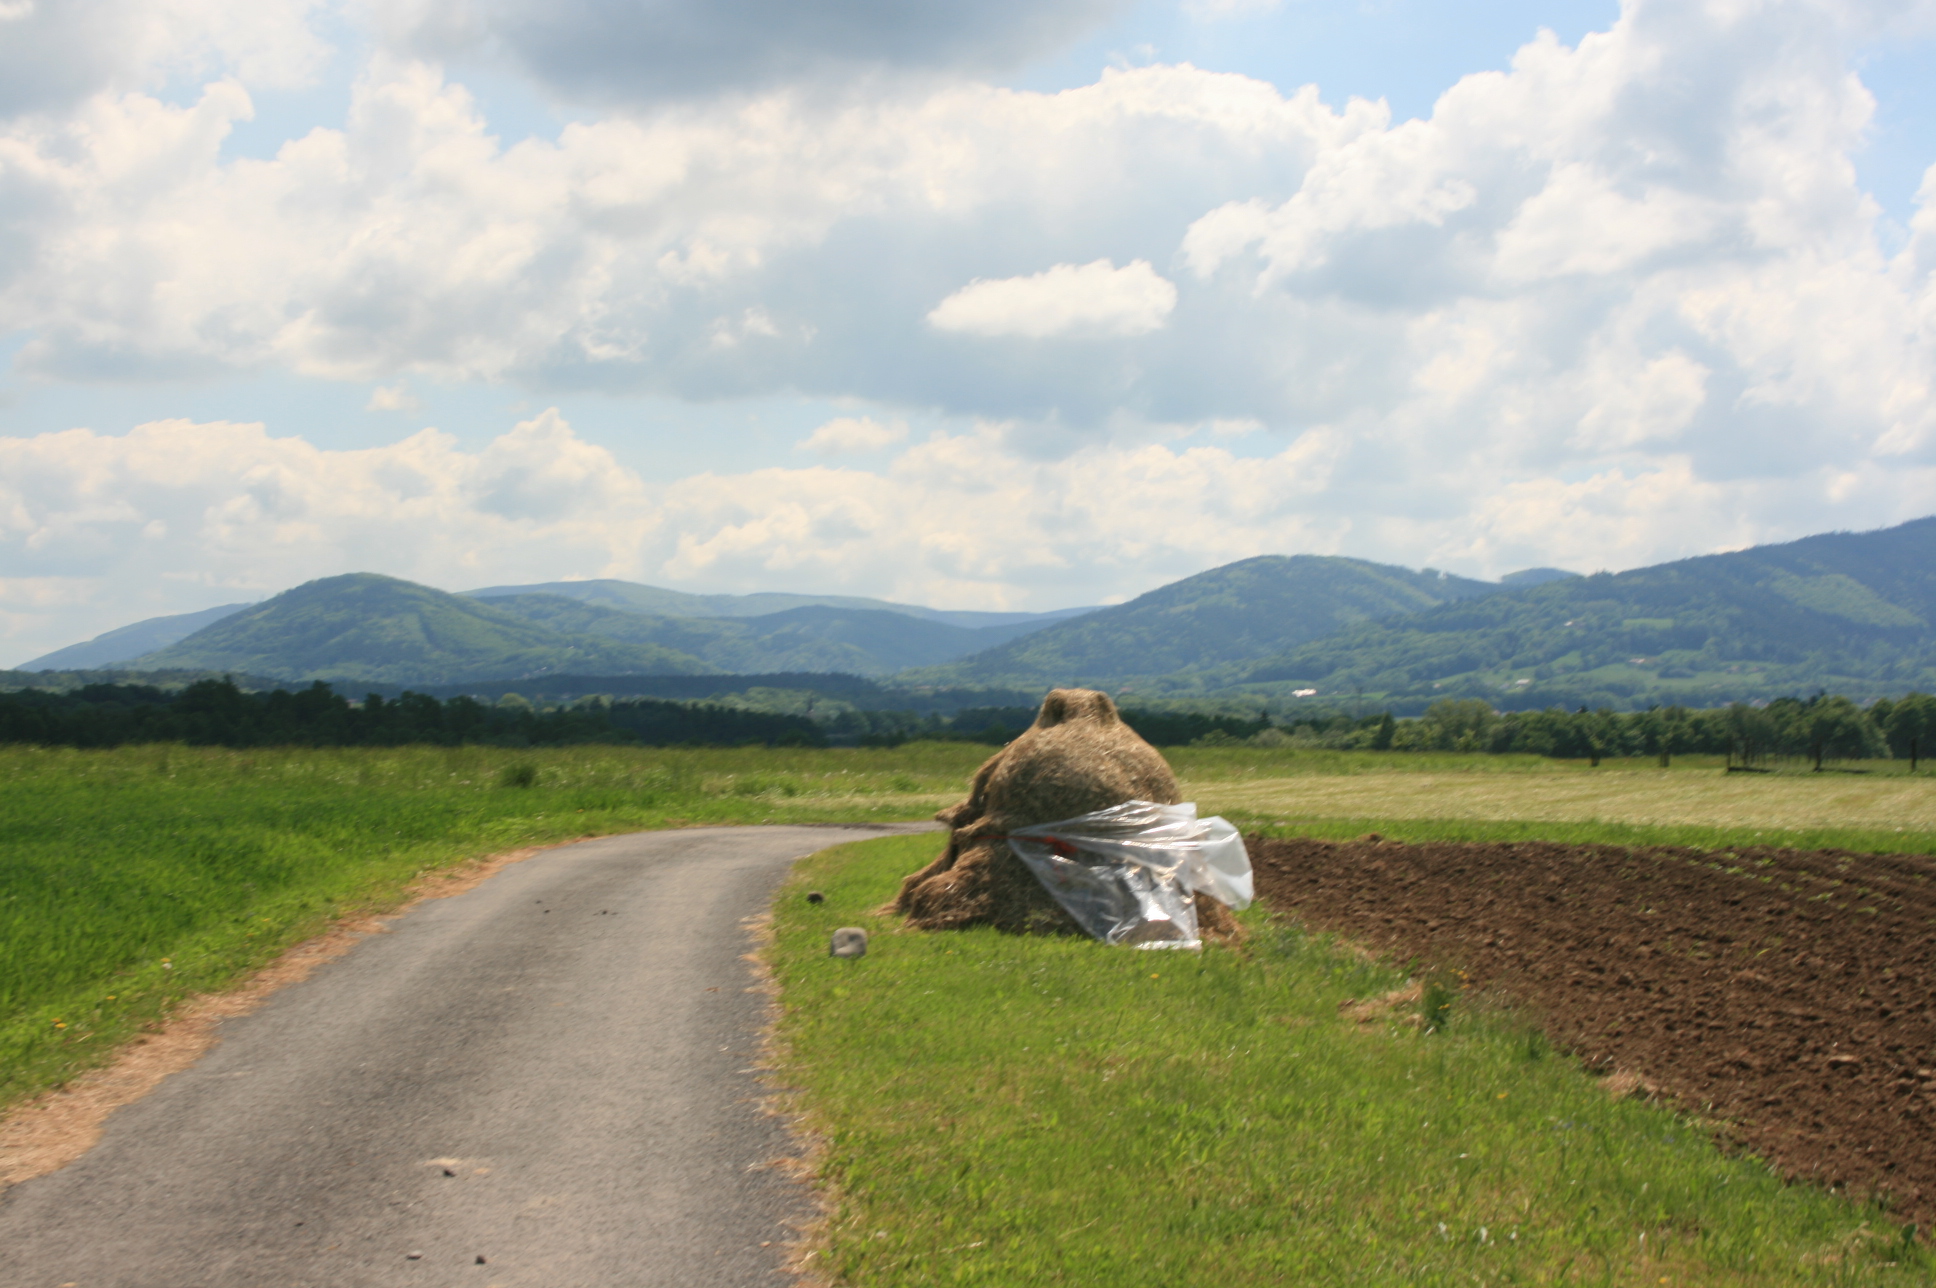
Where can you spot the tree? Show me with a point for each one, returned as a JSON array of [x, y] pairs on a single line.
[[1666, 731], [1461, 724], [1836, 728], [1751, 732], [1910, 726], [1382, 739]]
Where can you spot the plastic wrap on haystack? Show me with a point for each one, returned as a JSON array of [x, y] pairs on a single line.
[[1126, 873]]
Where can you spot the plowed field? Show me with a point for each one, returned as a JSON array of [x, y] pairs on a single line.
[[1791, 994]]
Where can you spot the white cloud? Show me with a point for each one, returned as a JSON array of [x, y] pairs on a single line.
[[688, 252], [395, 397], [1579, 223], [657, 50], [1617, 302], [177, 515], [55, 52], [852, 434], [1090, 299]]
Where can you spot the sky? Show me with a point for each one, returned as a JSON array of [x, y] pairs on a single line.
[[1012, 305]]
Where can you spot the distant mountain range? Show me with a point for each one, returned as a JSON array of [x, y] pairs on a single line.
[[366, 627], [126, 643], [1851, 612], [631, 597], [1239, 612], [372, 629]]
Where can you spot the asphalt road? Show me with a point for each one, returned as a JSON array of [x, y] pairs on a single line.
[[550, 1071]]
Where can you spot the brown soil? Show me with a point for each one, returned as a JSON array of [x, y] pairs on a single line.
[[1790, 994], [50, 1131]]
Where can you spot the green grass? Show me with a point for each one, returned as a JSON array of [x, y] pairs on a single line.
[[1212, 764], [1004, 1110], [130, 879]]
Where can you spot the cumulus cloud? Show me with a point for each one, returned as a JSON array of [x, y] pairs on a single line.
[[176, 515], [706, 255], [53, 53], [852, 434], [655, 50], [1090, 299], [395, 397], [1620, 302]]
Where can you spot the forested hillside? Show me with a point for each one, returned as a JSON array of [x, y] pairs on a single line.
[[1849, 612], [1236, 613], [1853, 613], [857, 641], [366, 627], [130, 641], [656, 601]]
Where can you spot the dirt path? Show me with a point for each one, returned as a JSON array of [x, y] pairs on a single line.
[[1790, 993]]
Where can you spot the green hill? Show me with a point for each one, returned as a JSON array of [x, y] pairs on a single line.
[[875, 642], [1234, 614], [367, 627], [1851, 612], [655, 601], [810, 638], [117, 646]]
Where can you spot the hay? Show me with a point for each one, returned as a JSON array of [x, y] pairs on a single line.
[[1076, 758]]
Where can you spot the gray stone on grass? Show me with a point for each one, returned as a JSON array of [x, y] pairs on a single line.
[[849, 941]]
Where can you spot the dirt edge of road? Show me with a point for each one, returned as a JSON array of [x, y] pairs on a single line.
[[785, 1103], [53, 1129]]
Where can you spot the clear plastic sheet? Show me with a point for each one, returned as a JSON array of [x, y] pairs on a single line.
[[1127, 873]]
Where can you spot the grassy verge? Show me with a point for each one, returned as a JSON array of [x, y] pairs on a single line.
[[132, 878], [1005, 1110]]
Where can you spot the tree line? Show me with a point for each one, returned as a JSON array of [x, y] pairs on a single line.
[[217, 713], [1821, 728]]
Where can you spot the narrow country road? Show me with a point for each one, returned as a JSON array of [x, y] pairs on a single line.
[[550, 1072]]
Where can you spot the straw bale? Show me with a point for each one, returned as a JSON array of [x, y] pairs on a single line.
[[1076, 758]]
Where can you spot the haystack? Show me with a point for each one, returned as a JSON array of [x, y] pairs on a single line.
[[1076, 758]]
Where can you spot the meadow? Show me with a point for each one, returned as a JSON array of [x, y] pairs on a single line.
[[1002, 1110], [1863, 806], [132, 878]]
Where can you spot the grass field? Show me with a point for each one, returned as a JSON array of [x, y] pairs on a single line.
[[1004, 1110], [132, 878], [1635, 802], [1649, 797]]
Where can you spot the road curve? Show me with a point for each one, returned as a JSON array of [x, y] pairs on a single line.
[[549, 1071]]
